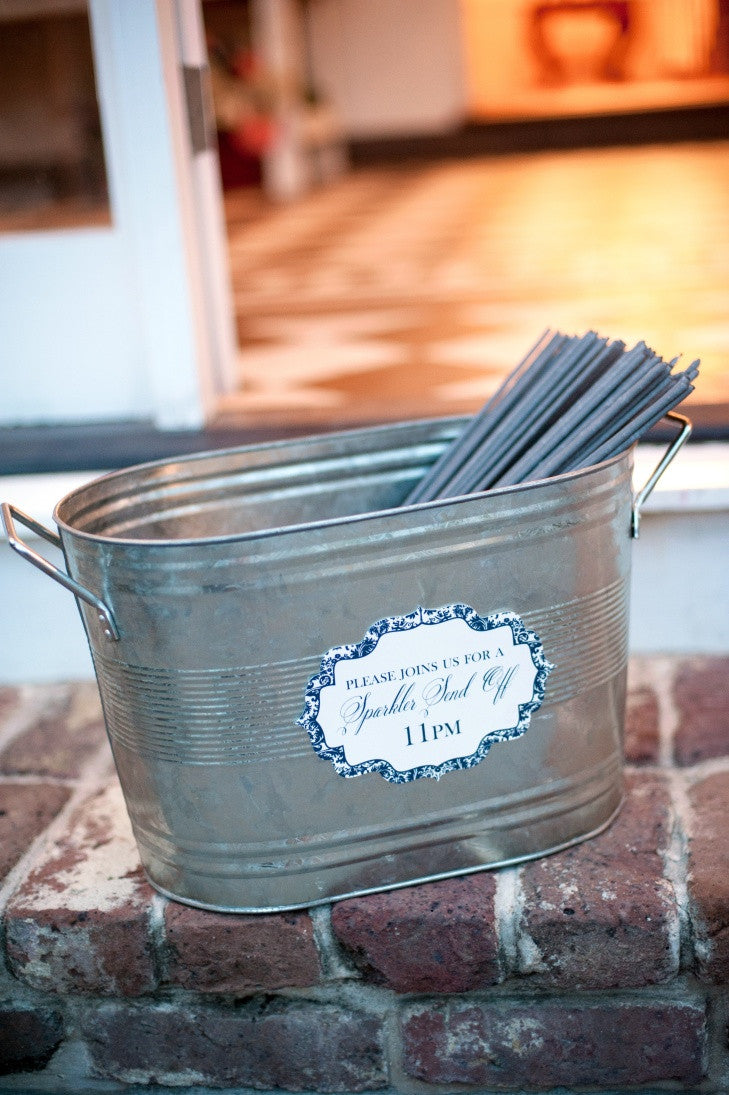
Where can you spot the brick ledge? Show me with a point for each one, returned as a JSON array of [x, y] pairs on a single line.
[[602, 966]]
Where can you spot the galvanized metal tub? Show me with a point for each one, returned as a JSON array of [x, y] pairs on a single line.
[[210, 587]]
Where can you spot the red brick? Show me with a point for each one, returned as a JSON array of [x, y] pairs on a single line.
[[437, 937], [708, 881], [28, 1036], [544, 1043], [641, 726], [63, 739], [25, 811], [10, 698], [222, 952], [80, 921], [701, 694], [298, 1046], [601, 914]]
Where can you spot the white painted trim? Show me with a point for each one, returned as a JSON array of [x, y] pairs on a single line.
[[144, 118], [696, 481], [206, 230]]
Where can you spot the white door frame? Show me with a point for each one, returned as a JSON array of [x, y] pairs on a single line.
[[183, 53], [132, 320]]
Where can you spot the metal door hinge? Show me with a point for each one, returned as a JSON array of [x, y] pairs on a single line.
[[200, 112]]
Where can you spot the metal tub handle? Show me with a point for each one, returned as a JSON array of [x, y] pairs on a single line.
[[10, 514], [665, 460]]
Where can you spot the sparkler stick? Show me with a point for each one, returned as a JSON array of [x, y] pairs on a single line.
[[570, 402]]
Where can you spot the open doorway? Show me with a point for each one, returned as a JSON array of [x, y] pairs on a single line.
[[401, 277], [497, 185]]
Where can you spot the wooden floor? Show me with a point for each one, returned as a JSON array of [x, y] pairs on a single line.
[[408, 291]]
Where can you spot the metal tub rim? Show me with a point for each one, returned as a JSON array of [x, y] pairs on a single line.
[[65, 520]]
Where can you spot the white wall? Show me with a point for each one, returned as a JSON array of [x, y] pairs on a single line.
[[390, 68]]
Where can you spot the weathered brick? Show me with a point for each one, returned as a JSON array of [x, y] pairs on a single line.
[[29, 706], [641, 726], [701, 694], [10, 698], [63, 739], [437, 937], [708, 881], [28, 1036], [222, 952], [601, 914], [298, 1046], [25, 811], [79, 922], [546, 1043]]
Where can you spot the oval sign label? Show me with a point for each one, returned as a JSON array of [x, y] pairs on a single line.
[[426, 693]]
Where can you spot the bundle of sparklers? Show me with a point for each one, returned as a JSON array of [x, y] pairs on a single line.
[[572, 402]]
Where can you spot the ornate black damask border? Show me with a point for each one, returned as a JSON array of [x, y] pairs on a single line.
[[421, 617]]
